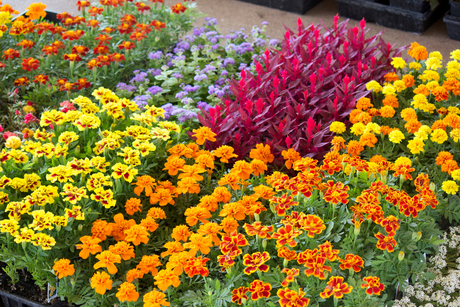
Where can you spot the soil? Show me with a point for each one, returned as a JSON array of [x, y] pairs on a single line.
[[25, 287]]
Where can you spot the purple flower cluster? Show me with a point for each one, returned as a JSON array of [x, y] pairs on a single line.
[[141, 100], [183, 114], [126, 87]]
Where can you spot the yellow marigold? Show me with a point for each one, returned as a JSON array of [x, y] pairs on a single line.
[[433, 63], [416, 146], [398, 62], [374, 86], [450, 187], [358, 128], [455, 55], [338, 127], [456, 175], [396, 136], [455, 135], [399, 85], [403, 161], [439, 136], [415, 65], [389, 90]]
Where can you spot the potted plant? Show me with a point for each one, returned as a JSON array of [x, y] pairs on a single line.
[[295, 6]]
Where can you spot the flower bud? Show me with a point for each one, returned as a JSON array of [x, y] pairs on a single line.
[[401, 256], [256, 217], [72, 282], [58, 228], [77, 149], [24, 244], [209, 293], [285, 263], [80, 227], [432, 186], [416, 236], [229, 270]]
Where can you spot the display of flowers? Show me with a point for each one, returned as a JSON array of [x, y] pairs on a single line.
[[415, 114], [50, 62], [198, 71], [110, 194]]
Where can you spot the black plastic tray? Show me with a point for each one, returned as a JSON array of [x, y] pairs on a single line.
[[13, 300], [391, 17], [420, 6], [294, 6], [454, 8], [453, 26]]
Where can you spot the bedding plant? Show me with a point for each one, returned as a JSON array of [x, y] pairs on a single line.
[[197, 72], [46, 63], [414, 114], [335, 233], [72, 171], [293, 94]]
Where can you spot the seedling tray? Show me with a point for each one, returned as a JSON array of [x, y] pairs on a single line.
[[294, 6], [453, 26], [391, 17]]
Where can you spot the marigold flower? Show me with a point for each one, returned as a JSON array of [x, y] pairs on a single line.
[[239, 294], [385, 242], [351, 261], [230, 244], [373, 285], [255, 262], [450, 187], [229, 225], [21, 81], [196, 266], [155, 299], [107, 260], [336, 192], [119, 227], [259, 289], [195, 214], [63, 268], [127, 293], [336, 286], [178, 8], [101, 282], [124, 249], [36, 10], [263, 153], [200, 243], [290, 298], [149, 264], [181, 233], [188, 185], [166, 278], [225, 153], [202, 134], [137, 234]]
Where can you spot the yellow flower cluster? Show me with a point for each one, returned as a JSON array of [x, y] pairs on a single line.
[[63, 183], [430, 118]]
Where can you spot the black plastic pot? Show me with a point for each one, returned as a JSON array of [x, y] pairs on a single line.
[[391, 17], [412, 5], [455, 8], [50, 16], [294, 6], [453, 26], [12, 300]]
